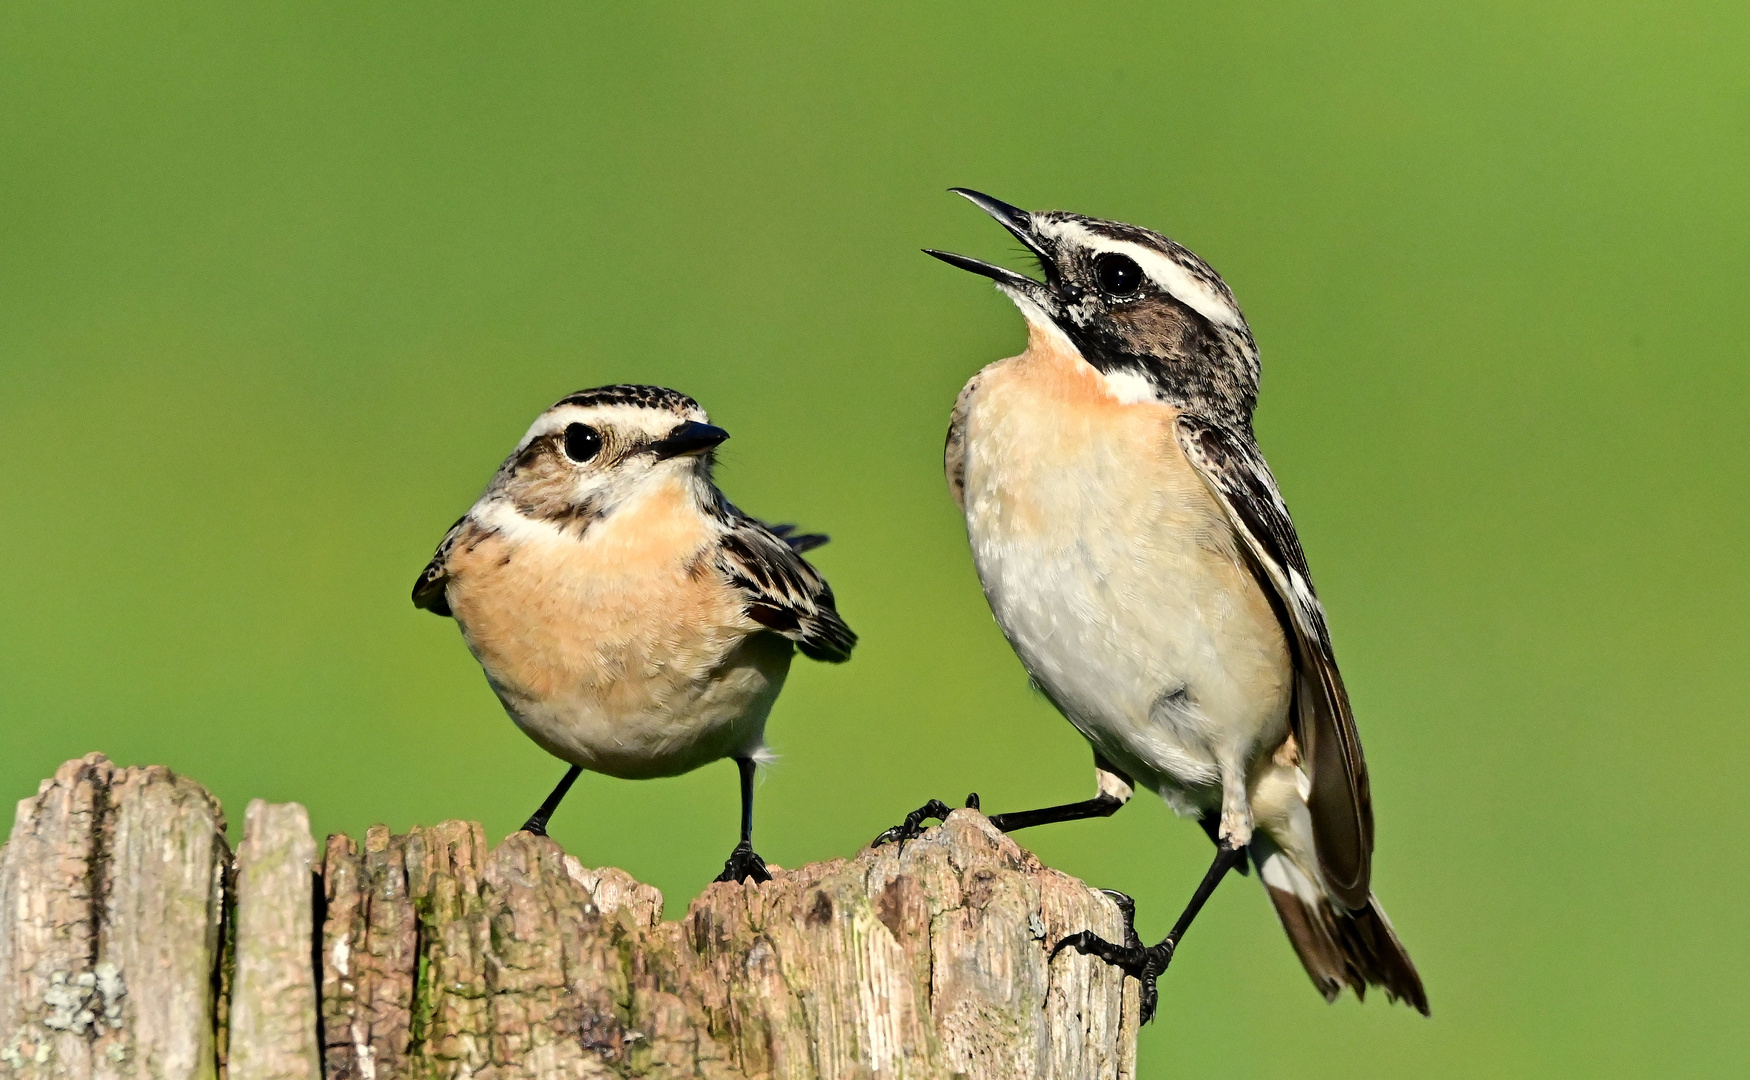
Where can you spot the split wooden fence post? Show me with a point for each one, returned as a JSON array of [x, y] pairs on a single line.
[[133, 944]]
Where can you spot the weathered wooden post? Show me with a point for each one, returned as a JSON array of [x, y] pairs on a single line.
[[132, 944]]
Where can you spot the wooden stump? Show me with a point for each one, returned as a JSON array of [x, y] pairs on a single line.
[[430, 955], [111, 904]]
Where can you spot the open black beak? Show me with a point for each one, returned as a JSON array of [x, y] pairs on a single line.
[[689, 438], [1012, 218]]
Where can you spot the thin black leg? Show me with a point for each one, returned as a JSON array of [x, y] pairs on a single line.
[[1101, 805], [537, 823], [746, 768], [1115, 789], [742, 862], [1211, 823], [1226, 858], [1148, 962]]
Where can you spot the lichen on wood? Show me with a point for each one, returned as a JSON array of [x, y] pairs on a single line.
[[430, 954], [929, 959], [111, 892]]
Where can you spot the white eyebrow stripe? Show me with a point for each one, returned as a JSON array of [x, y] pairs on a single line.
[[1163, 271], [635, 418]]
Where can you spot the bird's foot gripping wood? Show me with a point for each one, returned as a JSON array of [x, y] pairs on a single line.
[[1147, 962], [1144, 963], [743, 864], [913, 825]]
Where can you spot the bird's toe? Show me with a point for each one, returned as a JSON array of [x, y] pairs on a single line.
[[743, 864], [913, 825], [1144, 963]]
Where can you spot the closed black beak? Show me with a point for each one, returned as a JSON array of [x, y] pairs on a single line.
[[689, 438]]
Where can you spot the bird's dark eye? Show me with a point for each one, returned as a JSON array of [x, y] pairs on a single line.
[[582, 442], [1118, 275]]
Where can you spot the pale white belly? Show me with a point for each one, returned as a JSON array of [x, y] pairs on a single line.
[[1116, 577], [674, 722]]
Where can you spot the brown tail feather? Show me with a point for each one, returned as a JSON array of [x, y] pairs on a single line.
[[1349, 948]]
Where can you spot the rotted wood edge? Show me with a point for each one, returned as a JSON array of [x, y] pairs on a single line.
[[133, 944]]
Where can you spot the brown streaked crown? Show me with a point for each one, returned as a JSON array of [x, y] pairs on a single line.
[[648, 397]]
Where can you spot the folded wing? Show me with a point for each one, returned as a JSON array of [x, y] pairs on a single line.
[[782, 592], [429, 588], [1324, 725]]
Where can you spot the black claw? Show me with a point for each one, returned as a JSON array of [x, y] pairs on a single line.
[[536, 826], [1127, 908], [744, 864], [913, 826], [972, 802], [1147, 963], [1144, 963]]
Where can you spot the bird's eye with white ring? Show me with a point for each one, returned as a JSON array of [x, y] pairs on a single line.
[[1117, 275], [582, 442]]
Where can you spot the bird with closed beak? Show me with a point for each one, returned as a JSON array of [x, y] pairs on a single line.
[[629, 618], [1137, 554]]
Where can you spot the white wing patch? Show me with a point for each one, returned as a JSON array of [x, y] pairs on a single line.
[[1324, 723]]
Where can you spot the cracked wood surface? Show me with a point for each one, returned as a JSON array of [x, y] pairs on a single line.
[[430, 954], [272, 1019], [111, 894]]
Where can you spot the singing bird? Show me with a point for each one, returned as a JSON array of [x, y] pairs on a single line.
[[631, 621], [1134, 547]]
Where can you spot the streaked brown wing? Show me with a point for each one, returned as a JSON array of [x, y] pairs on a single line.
[[799, 542], [1324, 724], [782, 592], [954, 449], [428, 588]]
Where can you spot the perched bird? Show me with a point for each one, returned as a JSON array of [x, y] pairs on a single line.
[[1138, 556], [630, 619]]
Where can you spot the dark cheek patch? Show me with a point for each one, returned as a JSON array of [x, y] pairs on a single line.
[[1153, 327], [544, 484]]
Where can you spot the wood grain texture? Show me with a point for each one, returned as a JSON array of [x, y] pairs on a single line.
[[432, 955], [111, 900], [926, 961], [273, 987]]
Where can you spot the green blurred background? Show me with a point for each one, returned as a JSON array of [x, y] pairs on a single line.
[[280, 287]]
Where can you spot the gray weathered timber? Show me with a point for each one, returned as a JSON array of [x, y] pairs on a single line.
[[273, 987], [926, 961], [111, 898], [431, 954]]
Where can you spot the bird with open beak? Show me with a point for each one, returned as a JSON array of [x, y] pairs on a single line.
[[1134, 547]]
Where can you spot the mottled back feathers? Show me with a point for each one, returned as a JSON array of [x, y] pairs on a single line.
[[784, 593]]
